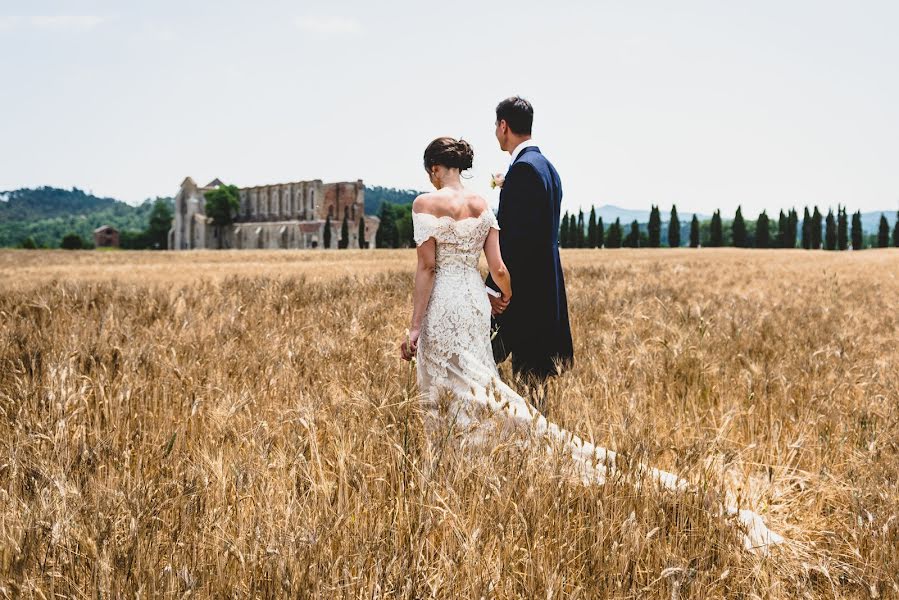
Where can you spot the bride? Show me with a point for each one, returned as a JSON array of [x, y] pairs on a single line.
[[449, 336]]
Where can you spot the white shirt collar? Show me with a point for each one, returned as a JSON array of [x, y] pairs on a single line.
[[520, 147]]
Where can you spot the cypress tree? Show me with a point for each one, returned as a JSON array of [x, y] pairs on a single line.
[[615, 234], [361, 234], [896, 231], [830, 232], [739, 229], [674, 228], [806, 230], [600, 234], [564, 232], [579, 234], [781, 241], [842, 229], [857, 230], [591, 229], [387, 235], [327, 233], [694, 232], [716, 233], [883, 232], [345, 233], [817, 220], [762, 234], [792, 225], [655, 227], [633, 237]]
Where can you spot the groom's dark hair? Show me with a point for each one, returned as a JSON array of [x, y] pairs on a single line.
[[517, 113]]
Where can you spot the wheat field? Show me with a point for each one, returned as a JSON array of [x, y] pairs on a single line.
[[238, 424]]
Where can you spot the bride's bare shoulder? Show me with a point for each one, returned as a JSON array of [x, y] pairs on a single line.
[[477, 204], [425, 203]]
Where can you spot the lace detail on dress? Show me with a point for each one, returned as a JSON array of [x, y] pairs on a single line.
[[450, 230], [453, 330]]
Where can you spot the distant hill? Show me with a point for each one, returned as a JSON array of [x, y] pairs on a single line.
[[375, 196], [46, 214]]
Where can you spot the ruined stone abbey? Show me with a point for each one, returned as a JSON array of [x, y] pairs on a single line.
[[287, 215]]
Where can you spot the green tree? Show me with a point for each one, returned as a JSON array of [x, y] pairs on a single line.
[[386, 236], [694, 232], [896, 231], [600, 233], [326, 241], [405, 230], [132, 239], [344, 241], [716, 232], [579, 234], [817, 226], [222, 204], [781, 241], [72, 241], [738, 229], [361, 233], [633, 237], [762, 235], [674, 228], [565, 232], [830, 232], [614, 237], [792, 228], [883, 232], [857, 230], [842, 229], [591, 229], [655, 227], [806, 230], [29, 244], [159, 223], [376, 196]]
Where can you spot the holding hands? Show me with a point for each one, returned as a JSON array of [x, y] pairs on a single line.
[[498, 305]]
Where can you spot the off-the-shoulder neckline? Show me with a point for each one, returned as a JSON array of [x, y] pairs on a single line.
[[420, 214]]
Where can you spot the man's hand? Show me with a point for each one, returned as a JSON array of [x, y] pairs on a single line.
[[498, 305]]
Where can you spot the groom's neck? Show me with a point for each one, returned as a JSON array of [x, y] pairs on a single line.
[[515, 141]]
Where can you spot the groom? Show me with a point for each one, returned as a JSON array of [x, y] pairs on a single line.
[[532, 327]]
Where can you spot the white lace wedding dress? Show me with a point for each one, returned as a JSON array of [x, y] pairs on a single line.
[[454, 354]]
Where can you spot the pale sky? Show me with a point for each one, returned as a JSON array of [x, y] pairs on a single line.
[[767, 104]]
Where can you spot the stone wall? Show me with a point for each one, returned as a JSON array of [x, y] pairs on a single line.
[[288, 215]]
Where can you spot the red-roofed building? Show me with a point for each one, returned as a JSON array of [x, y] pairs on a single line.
[[106, 236]]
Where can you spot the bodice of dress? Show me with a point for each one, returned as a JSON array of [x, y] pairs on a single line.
[[459, 242]]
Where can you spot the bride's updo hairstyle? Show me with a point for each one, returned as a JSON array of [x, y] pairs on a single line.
[[450, 153]]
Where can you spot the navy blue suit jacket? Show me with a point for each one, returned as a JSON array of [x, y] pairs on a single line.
[[534, 328]]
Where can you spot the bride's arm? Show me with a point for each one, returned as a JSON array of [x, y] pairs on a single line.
[[496, 265], [424, 283]]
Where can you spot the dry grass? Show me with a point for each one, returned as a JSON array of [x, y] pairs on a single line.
[[237, 424]]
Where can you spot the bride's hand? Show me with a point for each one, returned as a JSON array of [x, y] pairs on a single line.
[[499, 305], [409, 346]]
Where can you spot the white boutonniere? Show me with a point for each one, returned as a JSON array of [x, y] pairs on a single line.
[[496, 181]]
